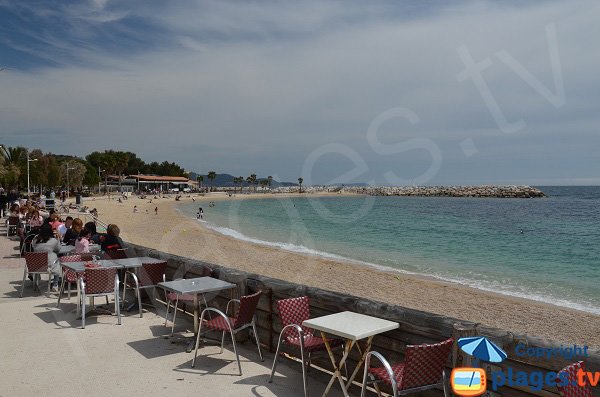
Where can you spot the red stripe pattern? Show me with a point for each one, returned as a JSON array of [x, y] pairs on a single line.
[[100, 281], [36, 262]]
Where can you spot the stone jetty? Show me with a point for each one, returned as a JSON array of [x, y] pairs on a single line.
[[509, 191], [450, 191]]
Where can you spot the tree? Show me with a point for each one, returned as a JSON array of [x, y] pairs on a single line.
[[253, 181], [211, 175], [200, 179], [241, 182], [300, 180], [270, 179], [264, 183]]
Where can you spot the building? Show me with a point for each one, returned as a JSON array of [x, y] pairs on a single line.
[[143, 182]]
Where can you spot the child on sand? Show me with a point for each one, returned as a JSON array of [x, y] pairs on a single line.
[[135, 209]]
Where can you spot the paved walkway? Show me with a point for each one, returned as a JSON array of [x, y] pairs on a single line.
[[44, 351]]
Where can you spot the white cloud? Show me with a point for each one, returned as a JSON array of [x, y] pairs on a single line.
[[258, 87]]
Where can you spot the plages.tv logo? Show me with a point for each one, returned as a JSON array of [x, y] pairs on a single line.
[[472, 381]]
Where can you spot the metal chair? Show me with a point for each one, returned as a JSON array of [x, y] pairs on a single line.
[[12, 224], [245, 319], [36, 264], [69, 276], [99, 282], [293, 312], [148, 276], [572, 388], [28, 244], [423, 368]]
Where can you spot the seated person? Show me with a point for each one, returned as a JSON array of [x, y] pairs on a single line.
[[45, 242], [72, 234], [82, 244], [63, 227], [95, 237], [111, 240]]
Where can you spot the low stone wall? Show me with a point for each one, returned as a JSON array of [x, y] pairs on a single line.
[[416, 327], [453, 191]]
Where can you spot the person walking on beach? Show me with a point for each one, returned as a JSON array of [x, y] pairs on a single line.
[[156, 210], [200, 213]]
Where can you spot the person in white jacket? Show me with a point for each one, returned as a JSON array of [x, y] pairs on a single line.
[[46, 242]]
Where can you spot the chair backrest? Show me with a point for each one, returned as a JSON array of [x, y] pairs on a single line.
[[115, 253], [13, 221], [247, 308], [423, 364], [36, 261], [572, 389], [28, 243], [98, 281], [68, 273], [294, 311], [152, 273]]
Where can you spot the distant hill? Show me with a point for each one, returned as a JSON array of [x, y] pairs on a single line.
[[226, 180]]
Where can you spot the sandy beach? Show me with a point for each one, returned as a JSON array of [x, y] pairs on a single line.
[[170, 231]]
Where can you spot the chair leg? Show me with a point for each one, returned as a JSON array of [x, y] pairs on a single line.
[[237, 356], [23, 285], [117, 306], [197, 339], [69, 290], [275, 359], [106, 300], [139, 297], [62, 290], [124, 288], [83, 311], [222, 341], [167, 313], [174, 315], [257, 341]]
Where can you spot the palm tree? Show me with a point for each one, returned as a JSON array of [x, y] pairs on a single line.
[[300, 180], [211, 175], [200, 179], [253, 181], [241, 182], [270, 179], [264, 183]]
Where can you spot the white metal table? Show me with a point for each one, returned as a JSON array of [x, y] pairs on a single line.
[[197, 286], [353, 327]]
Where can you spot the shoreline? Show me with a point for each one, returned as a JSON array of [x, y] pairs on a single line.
[[416, 291]]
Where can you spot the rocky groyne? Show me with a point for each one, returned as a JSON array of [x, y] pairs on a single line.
[[509, 191], [452, 191]]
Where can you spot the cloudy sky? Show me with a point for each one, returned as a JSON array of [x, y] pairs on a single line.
[[387, 92]]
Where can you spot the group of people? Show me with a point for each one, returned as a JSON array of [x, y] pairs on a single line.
[[45, 231]]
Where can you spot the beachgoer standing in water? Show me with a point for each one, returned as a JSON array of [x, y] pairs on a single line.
[[200, 213]]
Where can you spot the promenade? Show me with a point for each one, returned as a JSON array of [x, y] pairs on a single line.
[[45, 352]]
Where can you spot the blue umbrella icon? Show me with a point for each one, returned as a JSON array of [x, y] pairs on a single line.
[[482, 349]]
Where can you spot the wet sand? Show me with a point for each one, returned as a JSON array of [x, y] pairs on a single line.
[[172, 232]]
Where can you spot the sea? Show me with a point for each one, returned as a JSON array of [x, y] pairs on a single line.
[[545, 249]]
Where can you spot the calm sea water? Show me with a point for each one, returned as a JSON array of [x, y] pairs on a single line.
[[543, 249]]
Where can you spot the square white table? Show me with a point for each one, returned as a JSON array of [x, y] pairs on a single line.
[[197, 286], [352, 327]]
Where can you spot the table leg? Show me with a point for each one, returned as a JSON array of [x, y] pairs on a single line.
[[192, 344], [363, 356], [337, 374]]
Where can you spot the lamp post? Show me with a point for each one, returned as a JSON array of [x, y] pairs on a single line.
[[68, 184], [29, 161], [99, 178]]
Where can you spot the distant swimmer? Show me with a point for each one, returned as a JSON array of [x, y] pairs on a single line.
[[522, 232]]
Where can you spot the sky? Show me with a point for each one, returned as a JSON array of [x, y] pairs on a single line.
[[384, 92]]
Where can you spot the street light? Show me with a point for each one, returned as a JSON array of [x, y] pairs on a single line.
[[29, 161], [68, 184], [99, 178]]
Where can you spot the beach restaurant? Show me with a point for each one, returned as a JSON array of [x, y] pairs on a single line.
[[143, 182], [206, 329]]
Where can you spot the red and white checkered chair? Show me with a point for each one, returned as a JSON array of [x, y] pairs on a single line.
[[572, 389], [36, 264], [99, 282], [423, 368], [69, 276], [232, 324], [293, 312], [147, 276]]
